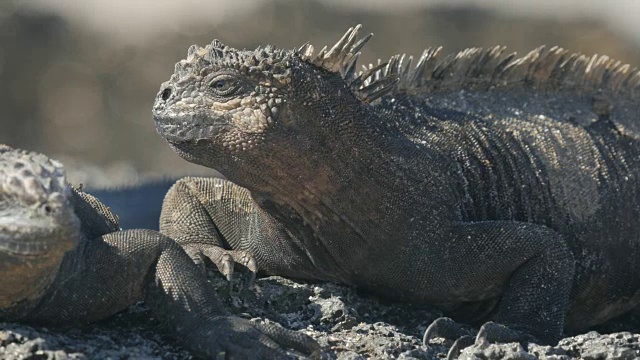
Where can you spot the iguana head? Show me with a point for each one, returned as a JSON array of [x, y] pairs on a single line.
[[295, 128], [36, 217], [37, 225], [226, 108]]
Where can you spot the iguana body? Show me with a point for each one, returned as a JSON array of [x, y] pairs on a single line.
[[493, 187], [63, 261]]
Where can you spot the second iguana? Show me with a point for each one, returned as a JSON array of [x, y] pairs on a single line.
[[64, 261], [495, 187]]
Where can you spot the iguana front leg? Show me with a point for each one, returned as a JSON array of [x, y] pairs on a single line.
[[189, 216], [107, 274], [215, 219]]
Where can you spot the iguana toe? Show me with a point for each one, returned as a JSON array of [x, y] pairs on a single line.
[[224, 260], [236, 338], [228, 260], [446, 328], [459, 345], [492, 332], [291, 339]]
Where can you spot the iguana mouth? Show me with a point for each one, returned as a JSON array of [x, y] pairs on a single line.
[[38, 242], [24, 248], [188, 128]]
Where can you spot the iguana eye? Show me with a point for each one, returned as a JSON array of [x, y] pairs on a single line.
[[45, 209], [223, 85]]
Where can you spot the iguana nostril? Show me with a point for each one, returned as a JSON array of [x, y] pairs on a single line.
[[166, 93]]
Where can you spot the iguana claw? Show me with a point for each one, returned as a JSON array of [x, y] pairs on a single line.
[[449, 329], [460, 344], [444, 327], [227, 260], [224, 260], [490, 332]]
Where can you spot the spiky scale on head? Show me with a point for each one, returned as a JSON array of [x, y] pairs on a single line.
[[268, 61], [342, 59], [32, 179], [224, 106], [238, 88], [217, 87]]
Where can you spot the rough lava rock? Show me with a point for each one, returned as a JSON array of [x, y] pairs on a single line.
[[107, 340], [346, 323]]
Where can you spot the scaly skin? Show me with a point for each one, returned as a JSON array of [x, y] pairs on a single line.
[[496, 188], [63, 261]]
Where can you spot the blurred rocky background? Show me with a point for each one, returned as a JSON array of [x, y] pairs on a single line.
[[78, 77]]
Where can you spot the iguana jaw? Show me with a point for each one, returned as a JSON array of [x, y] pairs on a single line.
[[185, 128], [26, 237], [33, 254]]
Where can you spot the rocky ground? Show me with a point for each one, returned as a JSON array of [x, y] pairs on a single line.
[[347, 324]]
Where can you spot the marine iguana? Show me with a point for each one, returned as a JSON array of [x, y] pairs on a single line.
[[495, 187], [63, 261]]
